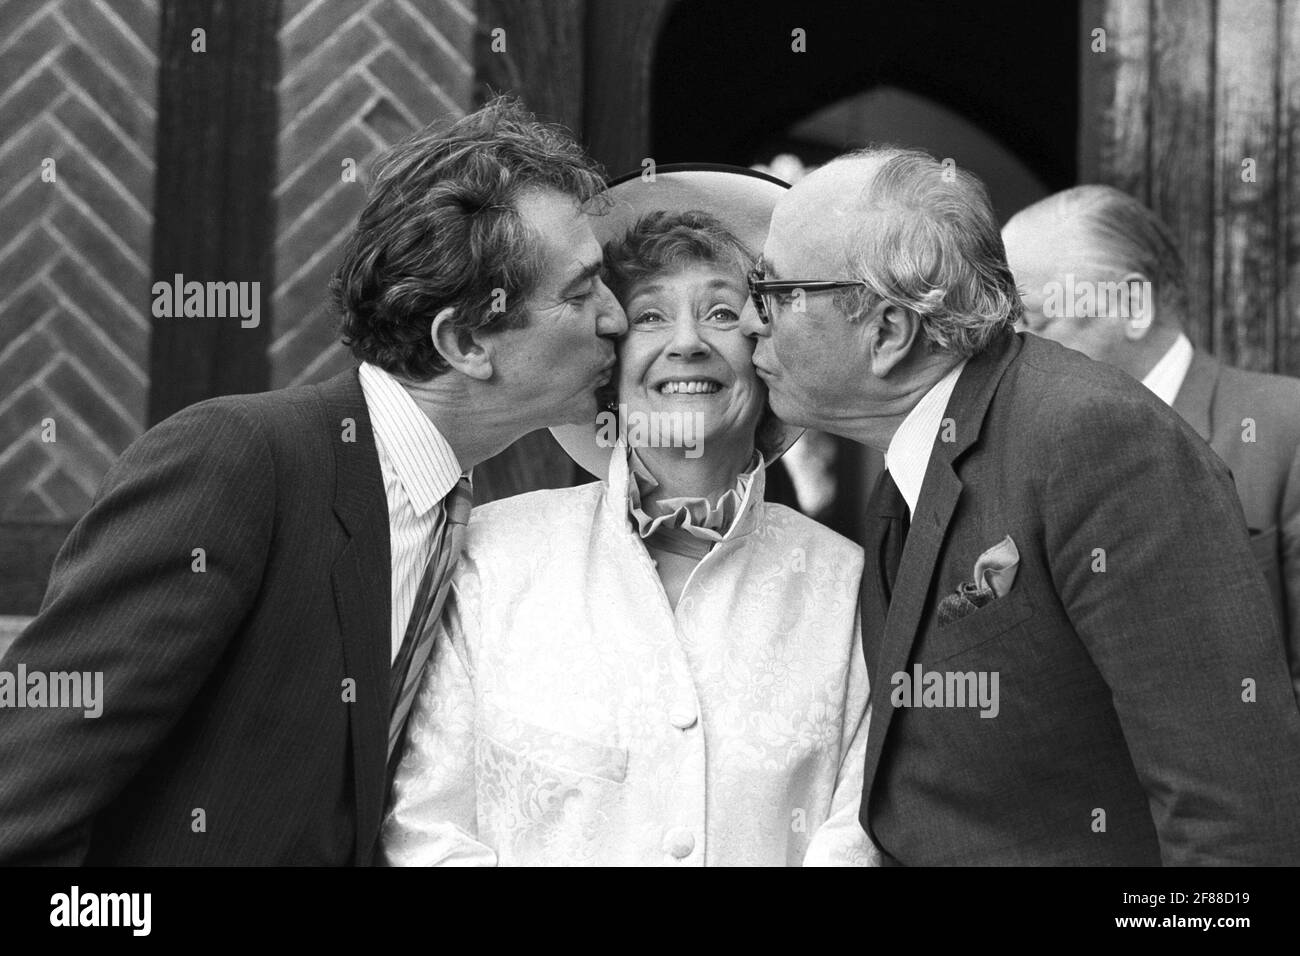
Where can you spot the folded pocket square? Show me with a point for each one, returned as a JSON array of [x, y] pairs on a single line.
[[995, 573]]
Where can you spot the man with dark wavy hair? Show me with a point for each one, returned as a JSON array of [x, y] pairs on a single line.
[[259, 574]]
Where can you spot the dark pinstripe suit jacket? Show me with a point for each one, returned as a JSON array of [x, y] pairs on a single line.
[[245, 704], [1124, 734]]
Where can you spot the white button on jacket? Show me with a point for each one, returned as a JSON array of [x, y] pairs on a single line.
[[679, 842], [683, 715]]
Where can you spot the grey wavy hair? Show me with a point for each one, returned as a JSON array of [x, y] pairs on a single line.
[[928, 241]]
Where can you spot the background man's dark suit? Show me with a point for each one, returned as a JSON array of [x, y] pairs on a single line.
[[224, 691], [1215, 399], [1120, 691]]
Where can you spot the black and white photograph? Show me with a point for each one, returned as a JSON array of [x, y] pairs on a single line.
[[651, 433]]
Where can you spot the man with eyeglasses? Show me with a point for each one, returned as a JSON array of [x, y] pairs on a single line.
[[1070, 647]]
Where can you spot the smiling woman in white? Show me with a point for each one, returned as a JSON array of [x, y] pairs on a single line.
[[659, 668]]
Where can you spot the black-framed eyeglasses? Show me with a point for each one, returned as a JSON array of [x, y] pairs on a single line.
[[761, 287]]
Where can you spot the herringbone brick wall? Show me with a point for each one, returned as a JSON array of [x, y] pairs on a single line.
[[77, 86], [354, 78]]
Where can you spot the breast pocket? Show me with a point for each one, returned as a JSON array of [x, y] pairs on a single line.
[[977, 628], [547, 798], [553, 748]]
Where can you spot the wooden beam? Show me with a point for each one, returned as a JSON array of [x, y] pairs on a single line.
[[213, 209], [1287, 358], [543, 56], [621, 44], [1246, 181], [1114, 119], [1182, 129]]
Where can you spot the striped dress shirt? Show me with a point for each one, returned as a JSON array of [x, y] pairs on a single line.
[[418, 468]]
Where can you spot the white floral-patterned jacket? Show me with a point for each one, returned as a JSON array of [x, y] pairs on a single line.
[[569, 716]]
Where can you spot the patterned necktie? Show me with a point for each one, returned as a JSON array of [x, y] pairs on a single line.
[[417, 643]]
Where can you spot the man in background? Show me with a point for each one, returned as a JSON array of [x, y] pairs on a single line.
[[1098, 243]]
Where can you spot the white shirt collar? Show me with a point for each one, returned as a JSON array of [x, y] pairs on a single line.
[[908, 455], [421, 458], [1166, 376]]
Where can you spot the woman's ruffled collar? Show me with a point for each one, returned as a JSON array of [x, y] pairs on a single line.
[[679, 520]]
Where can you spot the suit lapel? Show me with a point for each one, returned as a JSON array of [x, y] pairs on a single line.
[[1195, 398], [362, 578], [940, 493]]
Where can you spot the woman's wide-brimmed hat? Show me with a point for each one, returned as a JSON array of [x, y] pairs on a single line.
[[741, 199]]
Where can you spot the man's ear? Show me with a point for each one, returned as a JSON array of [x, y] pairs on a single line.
[[1141, 306], [461, 348], [892, 334]]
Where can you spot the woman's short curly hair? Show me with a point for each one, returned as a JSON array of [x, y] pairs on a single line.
[[441, 228], [661, 241], [664, 241]]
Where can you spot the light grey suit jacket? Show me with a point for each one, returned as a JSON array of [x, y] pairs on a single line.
[[1221, 402]]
